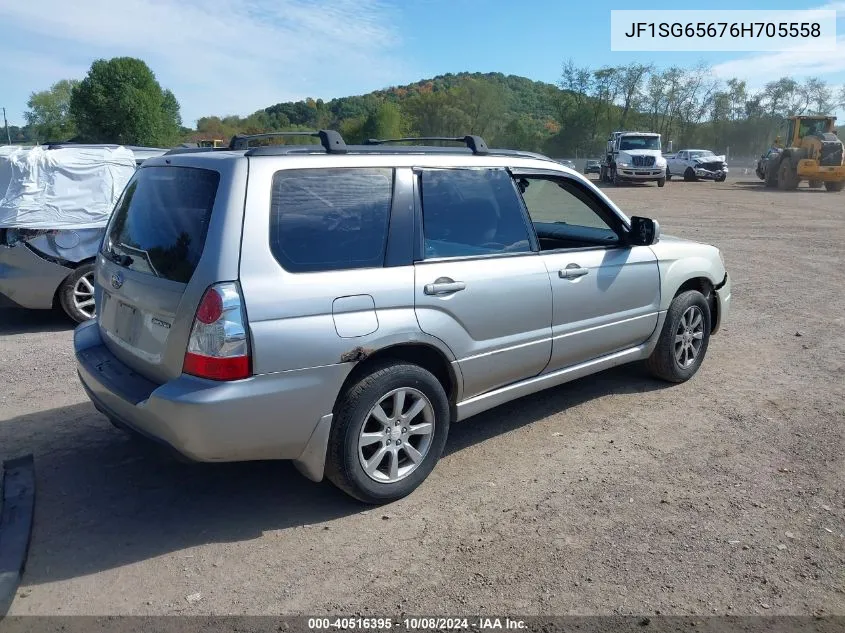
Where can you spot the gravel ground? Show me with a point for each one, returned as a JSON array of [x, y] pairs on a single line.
[[614, 494]]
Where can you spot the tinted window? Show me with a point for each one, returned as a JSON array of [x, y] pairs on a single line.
[[471, 212], [160, 223], [330, 219]]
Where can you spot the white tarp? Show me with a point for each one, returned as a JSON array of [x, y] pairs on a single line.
[[68, 188]]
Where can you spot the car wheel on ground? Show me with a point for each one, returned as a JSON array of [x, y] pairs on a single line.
[[661, 182], [689, 174], [834, 186], [771, 179], [389, 432], [787, 176], [76, 294], [683, 341], [668, 175], [815, 184], [721, 178]]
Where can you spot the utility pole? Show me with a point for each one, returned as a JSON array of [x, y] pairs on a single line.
[[6, 123]]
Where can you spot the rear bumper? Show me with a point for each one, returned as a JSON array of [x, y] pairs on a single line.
[[272, 416], [723, 296], [28, 279]]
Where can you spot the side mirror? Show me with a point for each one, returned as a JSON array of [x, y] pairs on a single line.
[[644, 231]]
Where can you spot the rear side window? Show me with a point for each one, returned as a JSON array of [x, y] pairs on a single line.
[[330, 219], [470, 212], [161, 221]]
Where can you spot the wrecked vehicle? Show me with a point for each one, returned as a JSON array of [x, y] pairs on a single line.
[[55, 202], [696, 164]]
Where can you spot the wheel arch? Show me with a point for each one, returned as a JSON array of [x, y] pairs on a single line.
[[423, 354], [72, 268], [706, 287]]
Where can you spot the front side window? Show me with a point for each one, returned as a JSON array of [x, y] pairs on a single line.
[[564, 214], [330, 219], [468, 212]]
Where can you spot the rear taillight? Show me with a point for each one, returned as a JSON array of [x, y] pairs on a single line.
[[219, 348]]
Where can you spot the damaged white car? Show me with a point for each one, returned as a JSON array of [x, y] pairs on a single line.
[[696, 164], [55, 202]]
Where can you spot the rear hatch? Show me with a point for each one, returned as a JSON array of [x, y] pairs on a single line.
[[150, 254]]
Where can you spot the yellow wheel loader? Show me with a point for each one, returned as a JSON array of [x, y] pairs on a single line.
[[811, 151]]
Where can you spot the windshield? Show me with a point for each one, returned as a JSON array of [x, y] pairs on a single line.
[[700, 153], [639, 142]]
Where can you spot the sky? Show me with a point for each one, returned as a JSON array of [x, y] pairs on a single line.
[[224, 57]]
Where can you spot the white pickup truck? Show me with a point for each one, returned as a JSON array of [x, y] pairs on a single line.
[[696, 164]]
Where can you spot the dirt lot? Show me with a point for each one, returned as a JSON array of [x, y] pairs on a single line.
[[613, 494]]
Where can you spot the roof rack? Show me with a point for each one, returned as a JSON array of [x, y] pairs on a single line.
[[332, 141], [475, 143]]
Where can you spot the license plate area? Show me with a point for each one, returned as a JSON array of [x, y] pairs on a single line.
[[125, 322]]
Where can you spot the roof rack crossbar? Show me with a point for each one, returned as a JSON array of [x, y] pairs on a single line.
[[475, 143], [331, 140]]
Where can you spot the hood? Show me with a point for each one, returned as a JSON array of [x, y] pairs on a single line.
[[709, 159], [675, 240]]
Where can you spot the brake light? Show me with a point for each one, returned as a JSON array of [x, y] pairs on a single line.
[[218, 348]]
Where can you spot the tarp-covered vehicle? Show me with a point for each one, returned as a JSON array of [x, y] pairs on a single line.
[[55, 202]]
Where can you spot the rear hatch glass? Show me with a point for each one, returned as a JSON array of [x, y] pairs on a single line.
[[161, 221], [153, 244]]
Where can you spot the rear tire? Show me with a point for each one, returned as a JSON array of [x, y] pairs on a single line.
[[684, 339], [834, 186], [668, 175], [368, 423], [76, 294], [815, 184]]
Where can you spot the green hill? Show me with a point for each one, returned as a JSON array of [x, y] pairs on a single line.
[[508, 110]]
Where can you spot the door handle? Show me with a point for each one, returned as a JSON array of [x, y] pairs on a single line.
[[573, 271], [444, 286]]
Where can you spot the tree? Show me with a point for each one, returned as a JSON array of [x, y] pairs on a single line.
[[386, 122], [49, 116], [120, 101]]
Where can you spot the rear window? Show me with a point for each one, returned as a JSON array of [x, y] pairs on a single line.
[[161, 221], [330, 219]]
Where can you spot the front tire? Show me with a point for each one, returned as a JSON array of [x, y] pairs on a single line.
[[684, 339], [689, 175], [76, 294], [389, 432], [787, 176], [721, 178], [815, 184], [834, 186], [661, 182]]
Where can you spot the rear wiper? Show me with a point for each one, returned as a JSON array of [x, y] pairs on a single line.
[[120, 260]]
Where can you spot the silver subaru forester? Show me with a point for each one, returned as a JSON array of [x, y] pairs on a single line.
[[340, 306]]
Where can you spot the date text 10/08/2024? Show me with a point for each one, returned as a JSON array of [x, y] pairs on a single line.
[[415, 624]]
